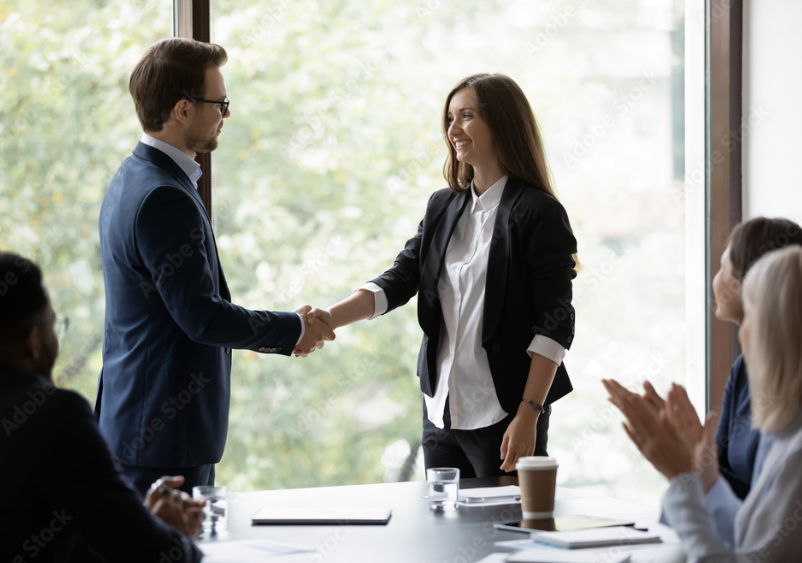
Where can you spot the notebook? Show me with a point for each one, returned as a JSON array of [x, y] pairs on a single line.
[[597, 537], [298, 515]]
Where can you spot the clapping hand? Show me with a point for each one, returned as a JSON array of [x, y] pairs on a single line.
[[316, 333], [175, 507], [670, 437]]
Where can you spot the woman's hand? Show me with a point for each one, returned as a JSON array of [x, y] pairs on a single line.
[[683, 416], [651, 432], [520, 437], [175, 508], [651, 395], [705, 454]]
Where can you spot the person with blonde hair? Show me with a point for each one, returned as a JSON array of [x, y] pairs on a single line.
[[765, 524]]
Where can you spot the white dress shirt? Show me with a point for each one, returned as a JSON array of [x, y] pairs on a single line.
[[463, 374], [193, 171], [191, 168]]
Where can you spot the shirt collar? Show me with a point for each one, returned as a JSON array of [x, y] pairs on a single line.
[[490, 198], [188, 165]]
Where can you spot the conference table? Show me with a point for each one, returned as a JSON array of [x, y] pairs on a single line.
[[416, 533]]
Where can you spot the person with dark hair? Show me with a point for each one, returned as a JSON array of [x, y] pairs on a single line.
[[492, 263], [736, 438], [762, 527], [164, 390], [63, 495]]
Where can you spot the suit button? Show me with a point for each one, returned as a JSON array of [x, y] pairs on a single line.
[[496, 347], [573, 316], [278, 349], [570, 338], [262, 349]]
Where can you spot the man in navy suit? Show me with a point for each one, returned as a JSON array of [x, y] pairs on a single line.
[[164, 390]]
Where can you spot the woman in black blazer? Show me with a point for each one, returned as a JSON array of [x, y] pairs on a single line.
[[492, 264]]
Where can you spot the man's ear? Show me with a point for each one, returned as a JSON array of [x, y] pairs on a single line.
[[33, 343], [183, 111]]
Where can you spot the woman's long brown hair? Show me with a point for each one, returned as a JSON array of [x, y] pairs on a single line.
[[516, 136]]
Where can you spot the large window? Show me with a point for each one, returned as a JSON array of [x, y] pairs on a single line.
[[66, 123], [323, 171]]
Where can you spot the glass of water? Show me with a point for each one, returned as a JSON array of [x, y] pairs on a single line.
[[443, 487], [216, 509]]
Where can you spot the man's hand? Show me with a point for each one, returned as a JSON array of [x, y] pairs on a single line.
[[316, 333], [175, 507]]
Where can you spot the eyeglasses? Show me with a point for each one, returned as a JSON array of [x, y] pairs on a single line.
[[60, 326], [224, 103]]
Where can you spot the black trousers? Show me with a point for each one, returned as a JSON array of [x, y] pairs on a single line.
[[475, 452], [143, 477]]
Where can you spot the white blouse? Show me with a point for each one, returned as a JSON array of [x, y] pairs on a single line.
[[463, 374]]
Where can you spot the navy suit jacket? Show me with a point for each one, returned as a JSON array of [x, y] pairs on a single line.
[[164, 390], [527, 290]]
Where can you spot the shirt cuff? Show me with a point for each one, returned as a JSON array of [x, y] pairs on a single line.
[[723, 504], [303, 328], [379, 299], [547, 348]]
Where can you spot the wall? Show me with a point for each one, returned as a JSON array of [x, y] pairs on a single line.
[[772, 125]]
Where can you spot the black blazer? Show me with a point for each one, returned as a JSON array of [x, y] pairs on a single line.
[[527, 292]]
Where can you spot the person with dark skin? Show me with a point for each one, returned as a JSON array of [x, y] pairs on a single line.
[[64, 499]]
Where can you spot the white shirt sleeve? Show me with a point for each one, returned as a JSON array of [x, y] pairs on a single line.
[[547, 348], [379, 299], [303, 328], [723, 504]]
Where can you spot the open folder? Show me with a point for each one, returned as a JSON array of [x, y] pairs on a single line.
[[322, 516]]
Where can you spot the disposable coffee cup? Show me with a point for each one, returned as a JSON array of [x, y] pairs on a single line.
[[537, 477]]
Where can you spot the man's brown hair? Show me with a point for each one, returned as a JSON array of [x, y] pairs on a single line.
[[171, 70]]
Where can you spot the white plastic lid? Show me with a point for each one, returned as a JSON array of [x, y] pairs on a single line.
[[536, 462]]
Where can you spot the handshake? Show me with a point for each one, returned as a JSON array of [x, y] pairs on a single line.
[[319, 328]]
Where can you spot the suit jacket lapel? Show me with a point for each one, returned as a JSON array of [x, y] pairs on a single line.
[[433, 263], [498, 262], [167, 164]]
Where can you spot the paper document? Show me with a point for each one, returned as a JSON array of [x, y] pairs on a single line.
[[490, 496], [597, 537], [560, 556], [247, 551]]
